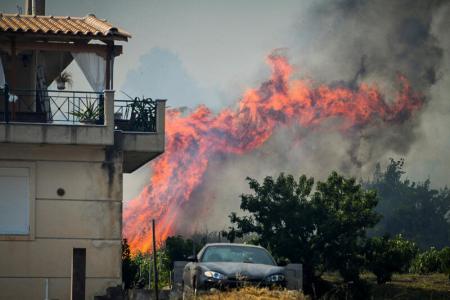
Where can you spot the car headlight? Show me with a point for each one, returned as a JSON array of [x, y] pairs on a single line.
[[276, 278], [214, 275]]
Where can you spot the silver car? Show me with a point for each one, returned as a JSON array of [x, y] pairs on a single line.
[[223, 265]]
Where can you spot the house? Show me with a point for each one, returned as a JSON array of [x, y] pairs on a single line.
[[63, 154]]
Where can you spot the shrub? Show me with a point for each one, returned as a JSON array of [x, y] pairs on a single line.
[[386, 256], [427, 262], [445, 261], [129, 267]]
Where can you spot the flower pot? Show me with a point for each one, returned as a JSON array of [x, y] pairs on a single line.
[[61, 85], [117, 116]]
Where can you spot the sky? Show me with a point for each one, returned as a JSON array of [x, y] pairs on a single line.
[[208, 52]]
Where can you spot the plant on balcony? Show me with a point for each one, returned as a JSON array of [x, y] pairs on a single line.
[[143, 115], [62, 79], [90, 113]]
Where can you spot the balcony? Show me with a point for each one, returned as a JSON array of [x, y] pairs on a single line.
[[136, 126]]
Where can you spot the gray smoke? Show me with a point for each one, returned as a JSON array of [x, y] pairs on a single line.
[[347, 43]]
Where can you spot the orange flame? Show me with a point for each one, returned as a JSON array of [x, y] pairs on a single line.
[[192, 140]]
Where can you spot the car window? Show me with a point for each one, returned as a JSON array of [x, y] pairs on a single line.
[[237, 254]]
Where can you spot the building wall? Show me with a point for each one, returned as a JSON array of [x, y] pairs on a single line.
[[88, 215]]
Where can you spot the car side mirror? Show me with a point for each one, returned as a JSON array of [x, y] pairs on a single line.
[[192, 258], [283, 262]]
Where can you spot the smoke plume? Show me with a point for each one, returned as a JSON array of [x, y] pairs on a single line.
[[359, 83]]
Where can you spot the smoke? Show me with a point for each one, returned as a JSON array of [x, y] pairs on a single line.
[[356, 48], [346, 43]]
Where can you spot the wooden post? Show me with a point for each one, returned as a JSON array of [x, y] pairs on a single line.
[[155, 267], [78, 274]]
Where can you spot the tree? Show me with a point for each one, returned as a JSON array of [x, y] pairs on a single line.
[[414, 210], [129, 268], [386, 256], [323, 231], [178, 248], [343, 213]]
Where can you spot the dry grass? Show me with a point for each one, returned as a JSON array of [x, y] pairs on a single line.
[[405, 286], [252, 293]]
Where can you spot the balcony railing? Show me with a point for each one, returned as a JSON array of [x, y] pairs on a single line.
[[75, 107], [135, 115], [51, 106]]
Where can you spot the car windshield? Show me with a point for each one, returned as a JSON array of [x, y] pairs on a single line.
[[237, 254]]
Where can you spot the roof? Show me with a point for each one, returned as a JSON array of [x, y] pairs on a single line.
[[234, 244], [89, 26]]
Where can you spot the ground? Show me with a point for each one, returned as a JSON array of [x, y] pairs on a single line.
[[402, 287], [407, 286]]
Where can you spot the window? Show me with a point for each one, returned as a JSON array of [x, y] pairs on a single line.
[[15, 204]]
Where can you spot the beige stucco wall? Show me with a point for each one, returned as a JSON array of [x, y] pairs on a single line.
[[89, 215]]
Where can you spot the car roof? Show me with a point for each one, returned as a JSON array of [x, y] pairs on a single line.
[[233, 244]]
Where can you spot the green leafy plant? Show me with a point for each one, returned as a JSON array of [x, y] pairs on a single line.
[[413, 209], [444, 256], [427, 262], [62, 79], [90, 113], [143, 115], [386, 256]]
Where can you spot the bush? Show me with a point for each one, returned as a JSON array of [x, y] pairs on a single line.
[[427, 262], [136, 269], [387, 256], [444, 256], [129, 267]]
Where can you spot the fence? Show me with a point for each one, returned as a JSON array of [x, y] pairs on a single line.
[[51, 106]]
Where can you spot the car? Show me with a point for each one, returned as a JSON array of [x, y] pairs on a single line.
[[228, 265]]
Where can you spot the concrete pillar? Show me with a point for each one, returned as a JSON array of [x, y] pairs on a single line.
[[109, 108], [160, 116]]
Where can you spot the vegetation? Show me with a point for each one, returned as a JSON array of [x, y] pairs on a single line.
[[334, 227], [432, 261], [252, 293], [143, 114], [136, 269], [401, 287], [324, 230], [387, 256], [445, 261], [90, 112], [62, 79], [414, 210]]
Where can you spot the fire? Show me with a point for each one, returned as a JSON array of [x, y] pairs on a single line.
[[194, 139]]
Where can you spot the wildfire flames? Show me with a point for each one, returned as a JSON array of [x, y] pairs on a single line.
[[193, 139]]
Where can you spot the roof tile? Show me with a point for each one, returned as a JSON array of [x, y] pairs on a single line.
[[89, 25]]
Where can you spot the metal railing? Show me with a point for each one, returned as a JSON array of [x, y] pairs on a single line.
[[75, 107], [51, 106], [135, 115]]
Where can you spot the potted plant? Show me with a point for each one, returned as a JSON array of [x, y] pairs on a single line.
[[90, 114], [143, 115], [62, 79]]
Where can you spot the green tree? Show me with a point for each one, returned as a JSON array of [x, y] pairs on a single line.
[[414, 210], [129, 268], [344, 211], [178, 248], [324, 230], [386, 256], [445, 261]]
